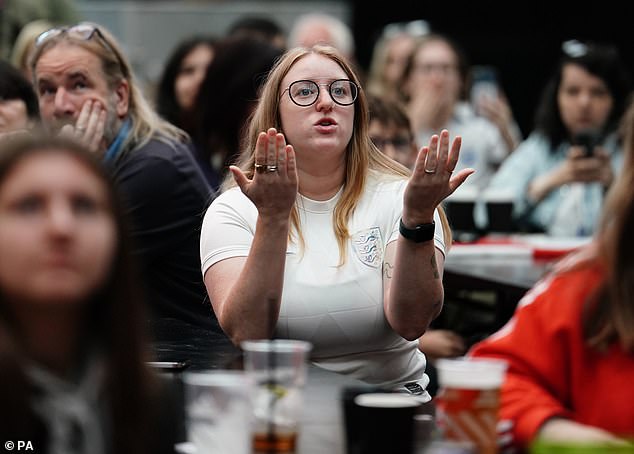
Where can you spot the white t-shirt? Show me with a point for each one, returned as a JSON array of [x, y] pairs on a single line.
[[339, 309]]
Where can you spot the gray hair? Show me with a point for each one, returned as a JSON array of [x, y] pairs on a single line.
[[340, 34]]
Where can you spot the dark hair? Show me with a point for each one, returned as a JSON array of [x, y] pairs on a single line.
[[166, 104], [388, 113], [13, 85], [256, 27], [114, 322], [229, 93], [600, 60]]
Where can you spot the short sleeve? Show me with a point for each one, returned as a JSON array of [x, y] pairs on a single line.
[[228, 228]]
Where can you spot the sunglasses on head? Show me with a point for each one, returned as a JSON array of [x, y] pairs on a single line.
[[82, 31]]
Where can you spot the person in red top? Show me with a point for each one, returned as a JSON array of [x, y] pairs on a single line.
[[570, 344]]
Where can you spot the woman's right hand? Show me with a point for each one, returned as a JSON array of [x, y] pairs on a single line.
[[273, 188]]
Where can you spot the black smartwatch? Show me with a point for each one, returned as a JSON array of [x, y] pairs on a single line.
[[419, 234]]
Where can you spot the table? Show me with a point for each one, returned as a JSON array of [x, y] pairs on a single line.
[[509, 277], [322, 428]]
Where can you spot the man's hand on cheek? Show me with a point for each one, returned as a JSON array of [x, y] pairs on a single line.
[[89, 127]]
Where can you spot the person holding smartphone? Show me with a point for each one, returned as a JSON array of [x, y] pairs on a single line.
[[489, 101], [560, 173]]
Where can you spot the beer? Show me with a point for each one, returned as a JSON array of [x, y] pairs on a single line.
[[470, 415], [469, 401], [278, 443]]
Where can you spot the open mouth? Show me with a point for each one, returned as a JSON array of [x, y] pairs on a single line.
[[326, 122]]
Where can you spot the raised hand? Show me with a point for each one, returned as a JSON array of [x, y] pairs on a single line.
[[498, 111], [432, 179], [429, 107], [89, 127], [273, 188]]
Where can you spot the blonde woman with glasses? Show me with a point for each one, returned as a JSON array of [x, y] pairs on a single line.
[[304, 242]]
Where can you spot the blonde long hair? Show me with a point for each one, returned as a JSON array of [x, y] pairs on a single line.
[[361, 154], [146, 123]]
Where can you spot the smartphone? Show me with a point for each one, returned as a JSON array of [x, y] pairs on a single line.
[[484, 84], [169, 365], [587, 140]]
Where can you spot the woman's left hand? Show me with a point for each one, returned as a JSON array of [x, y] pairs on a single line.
[[432, 179]]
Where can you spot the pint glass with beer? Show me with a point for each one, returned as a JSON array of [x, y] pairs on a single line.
[[469, 400]]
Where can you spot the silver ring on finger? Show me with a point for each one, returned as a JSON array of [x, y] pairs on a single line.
[[429, 171], [260, 168], [271, 168]]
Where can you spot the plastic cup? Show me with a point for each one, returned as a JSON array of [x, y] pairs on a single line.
[[469, 400], [278, 368], [219, 411]]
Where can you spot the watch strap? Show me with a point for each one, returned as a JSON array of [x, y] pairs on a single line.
[[419, 234]]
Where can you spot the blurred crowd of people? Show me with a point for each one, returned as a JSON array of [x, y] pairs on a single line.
[[268, 173]]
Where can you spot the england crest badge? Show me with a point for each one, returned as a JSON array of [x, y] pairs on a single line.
[[368, 246]]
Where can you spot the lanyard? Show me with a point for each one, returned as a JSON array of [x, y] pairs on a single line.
[[115, 146]]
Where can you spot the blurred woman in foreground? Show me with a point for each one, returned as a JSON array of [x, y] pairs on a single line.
[[71, 343]]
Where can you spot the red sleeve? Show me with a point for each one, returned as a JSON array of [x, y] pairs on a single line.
[[536, 344]]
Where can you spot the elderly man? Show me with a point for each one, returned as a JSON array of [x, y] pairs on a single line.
[[86, 88]]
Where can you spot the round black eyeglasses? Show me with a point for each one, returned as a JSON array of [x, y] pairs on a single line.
[[305, 93]]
